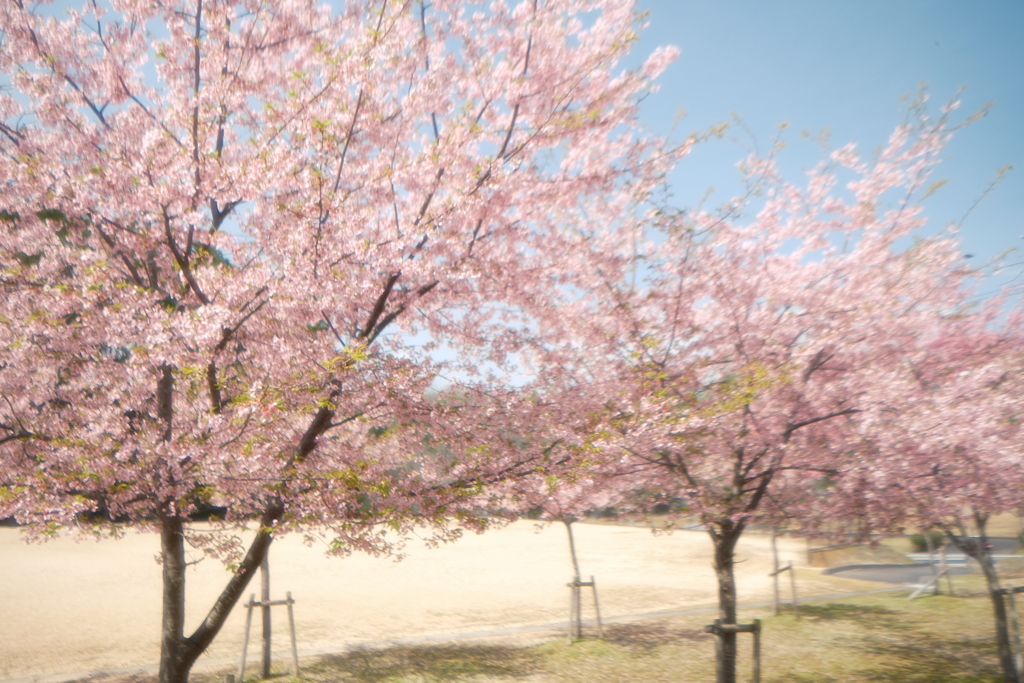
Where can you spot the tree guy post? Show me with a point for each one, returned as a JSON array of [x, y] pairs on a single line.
[[265, 599], [775, 576], [718, 628]]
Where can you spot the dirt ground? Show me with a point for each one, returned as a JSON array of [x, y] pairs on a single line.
[[69, 606]]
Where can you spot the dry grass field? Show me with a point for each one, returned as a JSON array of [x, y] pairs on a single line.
[[78, 607], [70, 609]]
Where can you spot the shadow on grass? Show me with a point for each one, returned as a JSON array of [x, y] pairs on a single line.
[[449, 663], [929, 658], [863, 615], [426, 663], [894, 651], [650, 634]]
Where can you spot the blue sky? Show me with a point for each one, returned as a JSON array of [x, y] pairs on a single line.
[[845, 66]]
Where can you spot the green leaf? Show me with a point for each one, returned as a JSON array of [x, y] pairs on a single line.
[[28, 259], [51, 215], [216, 256], [169, 303]]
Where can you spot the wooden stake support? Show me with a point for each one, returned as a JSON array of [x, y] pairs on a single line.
[[575, 608], [945, 569], [718, 628], [792, 586], [938, 571], [265, 598], [775, 576], [254, 603], [932, 583]]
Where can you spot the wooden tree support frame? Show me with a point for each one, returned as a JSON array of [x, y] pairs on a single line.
[[775, 577], [718, 628], [937, 574], [792, 585], [576, 609], [1018, 652], [254, 603], [945, 570], [932, 583]]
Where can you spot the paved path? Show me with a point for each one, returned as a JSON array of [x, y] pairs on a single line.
[[894, 573], [1002, 547]]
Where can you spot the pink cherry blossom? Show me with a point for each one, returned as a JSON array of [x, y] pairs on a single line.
[[220, 237]]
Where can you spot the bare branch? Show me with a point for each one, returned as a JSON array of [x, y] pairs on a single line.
[[348, 140], [390, 317], [145, 109], [182, 259], [229, 332], [378, 307], [793, 427]]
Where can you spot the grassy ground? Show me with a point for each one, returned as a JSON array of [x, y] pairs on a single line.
[[882, 638], [936, 640]]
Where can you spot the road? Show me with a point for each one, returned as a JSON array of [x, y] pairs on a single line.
[[921, 572]]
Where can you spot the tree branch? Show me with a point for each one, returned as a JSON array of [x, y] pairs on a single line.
[[203, 636], [378, 307], [793, 427], [348, 140], [390, 317], [145, 109], [165, 399], [182, 259], [195, 95], [228, 332]]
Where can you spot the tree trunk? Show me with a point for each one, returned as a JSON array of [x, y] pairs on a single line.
[[172, 642], [978, 550], [1006, 659], [572, 549], [725, 537], [178, 653], [576, 601], [1020, 526]]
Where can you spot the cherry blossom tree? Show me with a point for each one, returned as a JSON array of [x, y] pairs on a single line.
[[738, 359], [953, 455], [563, 491], [224, 225]]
